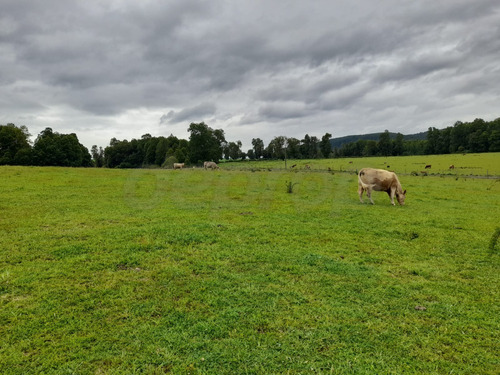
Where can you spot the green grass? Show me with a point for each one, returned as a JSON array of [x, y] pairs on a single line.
[[224, 272], [465, 165]]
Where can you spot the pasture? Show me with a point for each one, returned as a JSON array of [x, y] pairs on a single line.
[[464, 165], [224, 272]]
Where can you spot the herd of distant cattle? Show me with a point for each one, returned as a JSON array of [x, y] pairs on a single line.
[[206, 165], [369, 179]]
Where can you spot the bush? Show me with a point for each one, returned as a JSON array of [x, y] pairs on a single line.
[[169, 162]]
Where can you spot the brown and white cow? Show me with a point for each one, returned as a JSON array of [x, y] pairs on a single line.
[[210, 164], [370, 179], [178, 165]]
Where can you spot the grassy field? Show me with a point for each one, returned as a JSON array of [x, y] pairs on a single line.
[[465, 165], [223, 272]]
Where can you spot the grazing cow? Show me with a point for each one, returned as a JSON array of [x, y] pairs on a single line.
[[210, 164], [428, 166], [293, 166], [380, 180], [178, 165], [452, 167]]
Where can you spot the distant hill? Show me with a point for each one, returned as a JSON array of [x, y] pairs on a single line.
[[338, 142]]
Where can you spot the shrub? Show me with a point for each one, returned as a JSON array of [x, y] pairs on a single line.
[[289, 187], [169, 162]]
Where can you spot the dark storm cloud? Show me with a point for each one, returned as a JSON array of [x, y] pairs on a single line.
[[196, 113], [342, 67]]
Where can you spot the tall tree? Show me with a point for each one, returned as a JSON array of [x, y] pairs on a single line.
[[293, 148], [325, 145], [258, 147], [150, 150], [399, 147], [385, 144], [233, 150], [205, 143], [277, 147], [14, 145], [309, 147], [52, 148], [97, 156], [161, 150], [251, 154]]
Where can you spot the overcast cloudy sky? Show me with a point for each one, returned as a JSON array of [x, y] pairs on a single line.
[[123, 68]]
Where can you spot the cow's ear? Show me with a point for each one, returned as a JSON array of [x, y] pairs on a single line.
[[404, 192]]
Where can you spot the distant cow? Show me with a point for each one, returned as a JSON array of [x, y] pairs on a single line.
[[428, 166], [307, 166], [210, 164], [452, 167], [370, 179], [178, 165]]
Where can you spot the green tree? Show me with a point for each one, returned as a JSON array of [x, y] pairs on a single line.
[[276, 148], [97, 156], [161, 150], [399, 146], [150, 150], [370, 149], [385, 144], [258, 147], [14, 145], [325, 145], [233, 150], [293, 148], [458, 136], [309, 147], [494, 141], [205, 143], [54, 149]]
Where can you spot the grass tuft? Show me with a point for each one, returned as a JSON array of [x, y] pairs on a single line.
[[290, 186]]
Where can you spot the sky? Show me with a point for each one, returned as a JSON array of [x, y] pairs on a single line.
[[123, 68]]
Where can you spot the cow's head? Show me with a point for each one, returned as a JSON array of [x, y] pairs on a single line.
[[401, 197]]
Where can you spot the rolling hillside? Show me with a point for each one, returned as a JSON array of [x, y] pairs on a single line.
[[338, 142]]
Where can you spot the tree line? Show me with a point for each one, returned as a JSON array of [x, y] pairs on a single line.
[[49, 149], [206, 144]]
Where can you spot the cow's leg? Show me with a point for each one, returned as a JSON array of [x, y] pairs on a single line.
[[369, 195], [360, 193], [392, 193]]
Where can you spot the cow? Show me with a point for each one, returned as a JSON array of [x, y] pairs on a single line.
[[452, 167], [210, 164], [178, 165], [370, 179], [428, 166]]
